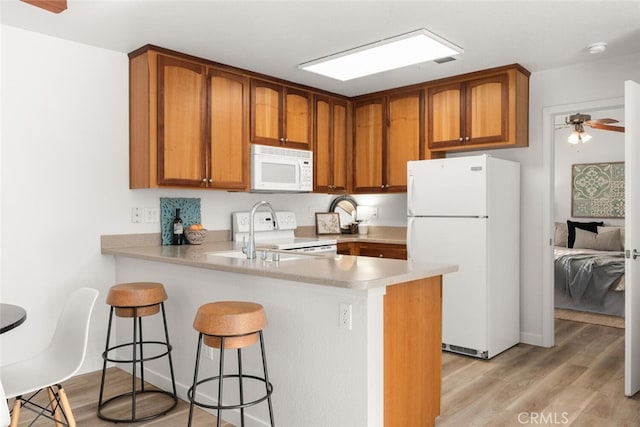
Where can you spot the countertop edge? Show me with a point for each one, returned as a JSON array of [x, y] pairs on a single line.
[[337, 271]]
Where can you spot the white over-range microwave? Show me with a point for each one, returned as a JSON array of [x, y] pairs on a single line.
[[275, 169]]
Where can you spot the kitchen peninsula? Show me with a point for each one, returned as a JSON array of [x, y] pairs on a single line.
[[379, 367]]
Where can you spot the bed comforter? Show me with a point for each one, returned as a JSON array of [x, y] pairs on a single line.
[[587, 275]]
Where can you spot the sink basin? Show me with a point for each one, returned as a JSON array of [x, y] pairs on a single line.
[[242, 255]]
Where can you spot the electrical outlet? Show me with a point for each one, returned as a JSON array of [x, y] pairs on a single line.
[[345, 316], [136, 215], [151, 214], [312, 212]]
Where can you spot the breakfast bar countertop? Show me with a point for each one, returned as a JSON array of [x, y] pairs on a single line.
[[342, 271]]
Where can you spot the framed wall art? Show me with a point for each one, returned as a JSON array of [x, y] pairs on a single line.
[[327, 223], [597, 190]]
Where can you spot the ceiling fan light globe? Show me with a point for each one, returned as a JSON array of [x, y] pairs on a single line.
[[574, 138], [578, 137]]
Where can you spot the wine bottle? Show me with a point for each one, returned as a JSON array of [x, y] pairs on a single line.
[[178, 229]]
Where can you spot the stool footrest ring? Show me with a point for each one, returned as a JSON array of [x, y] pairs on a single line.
[[105, 354], [238, 406], [137, 419]]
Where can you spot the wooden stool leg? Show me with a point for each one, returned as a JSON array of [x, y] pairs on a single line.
[[55, 407], [66, 407], [15, 414]]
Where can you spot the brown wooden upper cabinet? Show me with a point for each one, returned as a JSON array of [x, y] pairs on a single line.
[[330, 145], [191, 122], [368, 145], [388, 132], [280, 115], [483, 110], [188, 124]]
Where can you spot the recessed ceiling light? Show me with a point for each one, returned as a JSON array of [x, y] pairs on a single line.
[[396, 52], [597, 47]]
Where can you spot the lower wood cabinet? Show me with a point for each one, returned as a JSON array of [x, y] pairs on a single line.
[[377, 250]]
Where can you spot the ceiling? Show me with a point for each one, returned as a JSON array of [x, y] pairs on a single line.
[[272, 37]]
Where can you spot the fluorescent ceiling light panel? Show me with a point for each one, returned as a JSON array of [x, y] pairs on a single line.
[[388, 54]]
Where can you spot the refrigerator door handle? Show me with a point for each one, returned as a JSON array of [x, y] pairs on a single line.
[[409, 239], [410, 187]]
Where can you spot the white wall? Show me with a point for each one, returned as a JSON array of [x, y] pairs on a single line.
[[64, 154], [605, 146], [64, 175], [599, 80]]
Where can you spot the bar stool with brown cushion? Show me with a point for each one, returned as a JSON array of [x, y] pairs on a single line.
[[230, 325], [135, 301]]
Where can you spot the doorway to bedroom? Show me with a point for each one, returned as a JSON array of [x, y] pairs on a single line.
[[588, 219]]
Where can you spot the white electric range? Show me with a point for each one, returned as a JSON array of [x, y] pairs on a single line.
[[283, 238]]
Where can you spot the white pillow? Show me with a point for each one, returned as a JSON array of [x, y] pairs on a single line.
[[561, 234], [609, 228], [607, 241]]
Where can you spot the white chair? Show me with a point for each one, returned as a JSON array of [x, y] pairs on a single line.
[[5, 418], [55, 364]]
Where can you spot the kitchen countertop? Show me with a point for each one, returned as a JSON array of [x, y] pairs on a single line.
[[342, 271], [377, 234]]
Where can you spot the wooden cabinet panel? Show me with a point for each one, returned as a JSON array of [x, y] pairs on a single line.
[[265, 113], [445, 113], [368, 142], [487, 101], [330, 147], [181, 107], [383, 250], [404, 138], [391, 126], [488, 110], [191, 122], [228, 163], [345, 248], [412, 359], [297, 118], [377, 250], [280, 115], [188, 123], [339, 148]]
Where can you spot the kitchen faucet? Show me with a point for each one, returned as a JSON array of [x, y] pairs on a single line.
[[250, 249]]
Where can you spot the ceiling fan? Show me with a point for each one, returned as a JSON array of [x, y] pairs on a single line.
[[55, 6], [579, 121]]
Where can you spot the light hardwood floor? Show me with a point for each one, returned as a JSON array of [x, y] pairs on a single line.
[[579, 382]]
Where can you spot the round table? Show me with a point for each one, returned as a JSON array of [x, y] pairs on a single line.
[[11, 316]]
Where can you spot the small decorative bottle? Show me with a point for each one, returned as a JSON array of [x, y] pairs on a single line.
[[178, 229]]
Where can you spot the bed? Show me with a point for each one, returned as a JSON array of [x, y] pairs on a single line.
[[589, 268]]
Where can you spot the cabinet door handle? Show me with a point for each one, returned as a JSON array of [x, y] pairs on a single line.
[[461, 139], [466, 138], [210, 180]]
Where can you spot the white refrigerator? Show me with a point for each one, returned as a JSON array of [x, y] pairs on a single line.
[[466, 211]]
